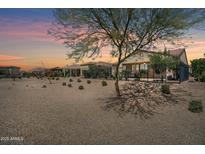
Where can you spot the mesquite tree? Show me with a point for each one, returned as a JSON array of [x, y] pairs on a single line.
[[128, 31]]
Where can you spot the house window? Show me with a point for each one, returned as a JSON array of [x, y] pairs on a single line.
[[134, 68], [124, 67], [137, 67], [143, 66]]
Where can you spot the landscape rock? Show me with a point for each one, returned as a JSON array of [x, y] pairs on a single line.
[[141, 98]]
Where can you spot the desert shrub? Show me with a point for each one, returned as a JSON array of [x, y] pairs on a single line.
[[104, 83], [195, 106], [71, 80], [88, 81], [53, 78], [202, 77], [64, 84], [44, 86], [79, 80], [198, 67], [165, 89], [80, 87], [57, 79], [69, 85], [27, 74]]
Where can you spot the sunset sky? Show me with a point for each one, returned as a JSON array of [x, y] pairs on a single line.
[[24, 41]]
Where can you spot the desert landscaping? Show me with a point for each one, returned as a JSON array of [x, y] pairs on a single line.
[[38, 112]]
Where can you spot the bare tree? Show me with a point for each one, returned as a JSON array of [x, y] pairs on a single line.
[[128, 31]]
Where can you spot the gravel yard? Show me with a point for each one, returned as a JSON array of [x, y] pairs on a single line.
[[57, 114]]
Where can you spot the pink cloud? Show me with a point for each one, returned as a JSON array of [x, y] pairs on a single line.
[[9, 58]]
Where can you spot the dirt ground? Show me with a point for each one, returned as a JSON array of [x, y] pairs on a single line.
[[30, 114]]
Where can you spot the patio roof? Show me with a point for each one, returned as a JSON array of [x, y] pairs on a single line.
[[74, 66], [96, 63]]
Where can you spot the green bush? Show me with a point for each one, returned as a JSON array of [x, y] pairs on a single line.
[[202, 77], [198, 67], [165, 89], [64, 84], [88, 81], [81, 87], [27, 74], [79, 80], [69, 85], [195, 106], [104, 83]]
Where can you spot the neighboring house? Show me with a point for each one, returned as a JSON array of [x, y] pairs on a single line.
[[89, 70], [140, 61], [73, 70], [96, 70], [135, 64], [56, 71], [10, 72], [39, 72]]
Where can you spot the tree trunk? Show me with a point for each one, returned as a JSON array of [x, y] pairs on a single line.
[[116, 80]]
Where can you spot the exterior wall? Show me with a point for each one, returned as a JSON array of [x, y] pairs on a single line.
[[183, 58], [140, 58], [96, 71], [184, 72], [56, 72]]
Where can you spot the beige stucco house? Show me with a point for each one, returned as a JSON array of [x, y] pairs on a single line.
[[141, 60]]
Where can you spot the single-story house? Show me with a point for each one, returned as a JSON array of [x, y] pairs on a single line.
[[140, 61], [89, 70], [10, 72], [73, 70], [56, 71], [39, 72], [96, 70]]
